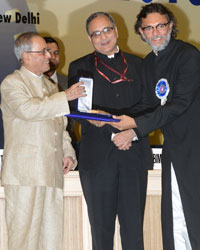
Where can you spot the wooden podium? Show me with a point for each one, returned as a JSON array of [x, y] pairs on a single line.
[[76, 225]]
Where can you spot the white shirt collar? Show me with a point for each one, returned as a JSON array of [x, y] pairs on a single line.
[[113, 55], [54, 77]]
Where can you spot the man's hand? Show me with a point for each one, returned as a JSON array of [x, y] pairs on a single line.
[[75, 91], [98, 123], [126, 122], [123, 140], [68, 164]]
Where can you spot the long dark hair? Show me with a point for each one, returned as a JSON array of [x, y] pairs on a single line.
[[156, 8]]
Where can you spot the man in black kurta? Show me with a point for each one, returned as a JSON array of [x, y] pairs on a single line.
[[171, 77], [113, 181]]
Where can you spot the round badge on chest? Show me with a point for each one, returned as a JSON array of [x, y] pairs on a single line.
[[162, 90]]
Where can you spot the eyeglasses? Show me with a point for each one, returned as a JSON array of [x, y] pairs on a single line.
[[106, 31], [43, 52], [159, 27]]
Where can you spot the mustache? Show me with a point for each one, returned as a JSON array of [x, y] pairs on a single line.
[[156, 37]]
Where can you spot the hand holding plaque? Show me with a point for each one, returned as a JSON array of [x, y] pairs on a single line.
[[84, 106], [77, 90]]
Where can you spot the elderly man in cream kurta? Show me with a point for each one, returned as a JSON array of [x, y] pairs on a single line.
[[37, 149]]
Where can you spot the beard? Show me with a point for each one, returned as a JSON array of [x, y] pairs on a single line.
[[162, 46]]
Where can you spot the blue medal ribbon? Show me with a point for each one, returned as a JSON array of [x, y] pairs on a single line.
[[162, 90]]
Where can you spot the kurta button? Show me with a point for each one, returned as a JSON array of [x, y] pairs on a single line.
[[117, 95], [55, 149], [44, 89], [56, 133]]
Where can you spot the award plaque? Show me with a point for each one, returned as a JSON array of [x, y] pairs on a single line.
[[84, 106]]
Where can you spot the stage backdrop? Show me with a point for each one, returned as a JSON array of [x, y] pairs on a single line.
[[65, 20]]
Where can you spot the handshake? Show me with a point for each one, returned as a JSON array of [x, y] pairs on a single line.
[[122, 140]]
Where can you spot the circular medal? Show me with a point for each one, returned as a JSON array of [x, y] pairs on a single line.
[[162, 90]]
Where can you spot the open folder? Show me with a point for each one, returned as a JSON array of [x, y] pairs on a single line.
[[84, 106]]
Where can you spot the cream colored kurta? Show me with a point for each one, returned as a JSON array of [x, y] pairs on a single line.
[[36, 139]]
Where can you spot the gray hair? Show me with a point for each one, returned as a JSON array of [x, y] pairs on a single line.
[[23, 43], [96, 14]]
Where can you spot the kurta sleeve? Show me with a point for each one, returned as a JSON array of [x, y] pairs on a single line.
[[30, 106]]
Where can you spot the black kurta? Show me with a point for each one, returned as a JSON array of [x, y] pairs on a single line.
[[99, 154], [179, 120]]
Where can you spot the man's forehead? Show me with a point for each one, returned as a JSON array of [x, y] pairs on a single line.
[[38, 41], [154, 18], [99, 21], [53, 46]]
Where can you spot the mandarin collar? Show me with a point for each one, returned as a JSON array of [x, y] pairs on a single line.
[[23, 68], [167, 49]]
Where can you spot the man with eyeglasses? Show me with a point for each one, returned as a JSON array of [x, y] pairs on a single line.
[[54, 76], [113, 180], [37, 148], [171, 77]]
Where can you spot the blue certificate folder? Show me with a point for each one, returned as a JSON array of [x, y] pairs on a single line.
[[92, 116]]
